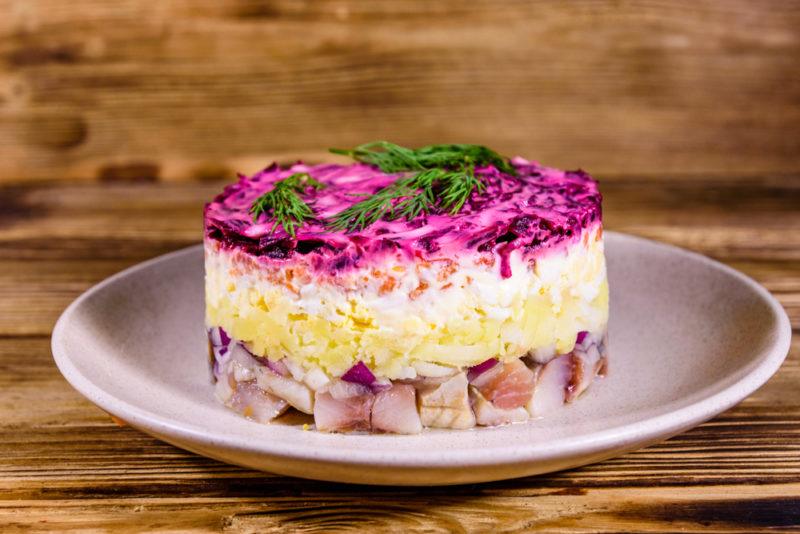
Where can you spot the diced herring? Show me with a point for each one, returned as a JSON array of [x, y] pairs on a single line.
[[487, 414], [342, 409], [395, 410], [507, 386], [586, 365], [255, 403], [550, 392], [316, 379], [295, 393], [224, 387], [447, 405]]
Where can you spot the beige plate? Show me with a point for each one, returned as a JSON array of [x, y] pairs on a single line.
[[689, 338]]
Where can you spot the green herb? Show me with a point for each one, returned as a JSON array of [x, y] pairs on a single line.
[[288, 209], [443, 178]]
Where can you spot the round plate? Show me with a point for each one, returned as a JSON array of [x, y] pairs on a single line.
[[689, 338]]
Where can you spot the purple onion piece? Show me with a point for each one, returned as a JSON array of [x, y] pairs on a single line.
[[359, 374], [581, 336], [476, 370], [224, 337]]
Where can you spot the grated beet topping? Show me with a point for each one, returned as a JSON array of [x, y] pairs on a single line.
[[534, 210]]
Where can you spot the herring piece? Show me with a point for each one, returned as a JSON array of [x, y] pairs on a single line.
[[487, 414], [293, 392], [586, 365], [243, 374], [395, 410], [342, 389], [316, 379], [343, 407], [239, 354], [296, 370], [550, 392], [224, 387], [506, 385], [254, 403], [447, 405]]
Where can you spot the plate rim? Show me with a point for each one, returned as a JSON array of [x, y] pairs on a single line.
[[635, 434]]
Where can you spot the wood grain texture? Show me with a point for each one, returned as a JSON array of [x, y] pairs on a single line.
[[64, 465], [135, 90]]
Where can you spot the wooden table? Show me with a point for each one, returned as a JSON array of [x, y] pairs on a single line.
[[65, 465], [119, 119]]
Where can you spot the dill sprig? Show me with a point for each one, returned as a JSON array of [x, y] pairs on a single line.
[[288, 209], [443, 177]]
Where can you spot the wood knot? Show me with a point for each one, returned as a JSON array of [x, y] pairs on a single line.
[[136, 172], [32, 55], [54, 131]]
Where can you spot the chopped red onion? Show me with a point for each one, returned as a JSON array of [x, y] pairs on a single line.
[[223, 336], [359, 374], [476, 370], [581, 336]]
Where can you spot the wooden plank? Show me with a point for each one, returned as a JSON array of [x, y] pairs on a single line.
[[710, 509], [189, 90]]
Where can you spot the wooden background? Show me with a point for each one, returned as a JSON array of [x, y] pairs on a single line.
[[118, 119], [182, 90]]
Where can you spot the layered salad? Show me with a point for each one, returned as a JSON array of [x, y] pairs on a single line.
[[443, 286]]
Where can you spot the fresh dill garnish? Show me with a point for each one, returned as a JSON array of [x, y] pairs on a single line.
[[288, 209], [442, 177]]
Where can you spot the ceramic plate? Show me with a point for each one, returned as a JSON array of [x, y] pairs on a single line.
[[689, 338]]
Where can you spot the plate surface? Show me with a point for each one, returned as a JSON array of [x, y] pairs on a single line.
[[689, 338]]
